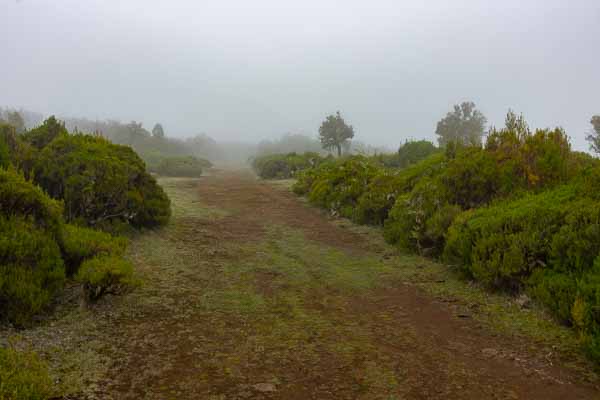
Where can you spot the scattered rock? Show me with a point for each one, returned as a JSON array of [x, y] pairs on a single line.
[[265, 387], [489, 352], [523, 301]]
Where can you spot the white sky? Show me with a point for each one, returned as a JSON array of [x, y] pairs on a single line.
[[249, 70]]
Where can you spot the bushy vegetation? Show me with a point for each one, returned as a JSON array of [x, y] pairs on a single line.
[[520, 213], [104, 274], [285, 166], [185, 166], [101, 184], [80, 244], [80, 179], [31, 266], [410, 152], [514, 161], [23, 376]]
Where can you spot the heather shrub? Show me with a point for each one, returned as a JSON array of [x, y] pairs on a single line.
[[285, 166], [339, 185], [408, 224], [100, 183], [104, 274], [19, 197], [387, 185], [546, 244], [502, 244], [31, 267], [82, 243]]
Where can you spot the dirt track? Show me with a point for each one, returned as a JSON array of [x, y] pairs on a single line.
[[250, 293]]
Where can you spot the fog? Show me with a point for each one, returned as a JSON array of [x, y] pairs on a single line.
[[250, 70]]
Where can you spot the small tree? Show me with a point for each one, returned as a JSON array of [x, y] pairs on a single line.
[[464, 124], [158, 131], [335, 133], [594, 137]]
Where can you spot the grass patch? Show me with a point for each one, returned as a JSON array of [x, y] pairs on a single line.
[[183, 193]]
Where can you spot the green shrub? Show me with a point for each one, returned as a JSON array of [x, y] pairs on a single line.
[[502, 244], [180, 166], [31, 267], [20, 154], [547, 244], [23, 376], [411, 152], [408, 224], [104, 274], [21, 197], [471, 178], [338, 185], [556, 290], [285, 166], [577, 243], [5, 160], [380, 195], [82, 243], [44, 134], [387, 185], [100, 183]]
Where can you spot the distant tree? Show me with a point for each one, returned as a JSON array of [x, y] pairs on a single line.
[[335, 133], [158, 131], [135, 132], [464, 124], [15, 119], [594, 137]]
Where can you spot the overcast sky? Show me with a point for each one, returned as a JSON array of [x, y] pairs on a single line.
[[241, 69]]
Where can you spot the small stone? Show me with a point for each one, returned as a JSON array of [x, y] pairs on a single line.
[[265, 387], [523, 301], [489, 353]]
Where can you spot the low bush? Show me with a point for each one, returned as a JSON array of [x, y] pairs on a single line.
[[547, 244], [23, 376], [387, 185], [411, 152], [22, 198], [285, 166], [338, 185], [31, 266], [502, 244], [82, 243], [187, 166], [101, 183], [104, 274], [513, 163]]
